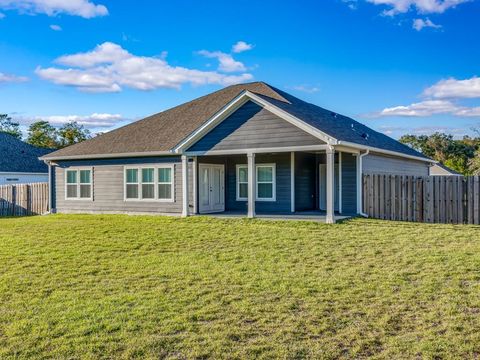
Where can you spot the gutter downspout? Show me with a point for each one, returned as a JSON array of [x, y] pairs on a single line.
[[360, 183]]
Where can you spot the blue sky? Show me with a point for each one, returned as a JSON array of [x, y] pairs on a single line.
[[399, 66]]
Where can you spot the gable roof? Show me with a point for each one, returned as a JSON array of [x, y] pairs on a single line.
[[446, 168], [162, 132], [18, 156]]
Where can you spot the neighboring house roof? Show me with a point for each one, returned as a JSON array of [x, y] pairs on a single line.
[[440, 169], [163, 131], [18, 156]]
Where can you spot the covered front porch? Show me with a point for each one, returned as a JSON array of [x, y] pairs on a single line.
[[316, 183]]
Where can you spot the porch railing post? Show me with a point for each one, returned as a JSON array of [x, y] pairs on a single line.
[[330, 219], [251, 185], [292, 181]]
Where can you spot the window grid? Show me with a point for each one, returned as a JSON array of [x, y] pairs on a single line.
[[79, 184]]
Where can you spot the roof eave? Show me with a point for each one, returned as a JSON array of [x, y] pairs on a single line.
[[107, 156], [384, 151]]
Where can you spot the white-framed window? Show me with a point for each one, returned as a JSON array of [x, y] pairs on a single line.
[[242, 182], [266, 182], [149, 183], [78, 184], [265, 186]]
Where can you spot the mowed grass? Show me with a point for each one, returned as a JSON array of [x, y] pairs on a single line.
[[83, 286]]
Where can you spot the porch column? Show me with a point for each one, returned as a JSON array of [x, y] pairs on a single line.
[[251, 185], [330, 219], [195, 184], [185, 186], [292, 181]]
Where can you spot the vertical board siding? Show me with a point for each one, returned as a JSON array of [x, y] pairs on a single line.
[[24, 199], [430, 199]]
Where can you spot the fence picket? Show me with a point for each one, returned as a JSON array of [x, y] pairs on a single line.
[[23, 199]]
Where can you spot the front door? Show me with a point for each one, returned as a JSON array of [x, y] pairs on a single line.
[[211, 187]]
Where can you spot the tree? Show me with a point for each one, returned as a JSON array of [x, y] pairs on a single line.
[[456, 154], [7, 125], [42, 134], [72, 133], [474, 164]]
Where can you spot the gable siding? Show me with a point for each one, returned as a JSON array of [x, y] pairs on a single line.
[[108, 188], [381, 164], [250, 127]]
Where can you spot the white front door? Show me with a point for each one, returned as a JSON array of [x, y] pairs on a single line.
[[211, 188]]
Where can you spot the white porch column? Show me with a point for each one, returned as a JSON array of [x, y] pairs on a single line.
[[330, 219], [292, 181], [195, 184], [185, 186], [251, 185], [340, 182]]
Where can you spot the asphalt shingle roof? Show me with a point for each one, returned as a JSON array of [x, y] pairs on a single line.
[[165, 130], [18, 156]]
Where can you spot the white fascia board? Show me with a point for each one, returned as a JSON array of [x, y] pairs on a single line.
[[236, 103], [22, 173], [383, 151]]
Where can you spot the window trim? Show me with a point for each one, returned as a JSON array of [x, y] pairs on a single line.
[[78, 183], [155, 168], [274, 182], [237, 180]]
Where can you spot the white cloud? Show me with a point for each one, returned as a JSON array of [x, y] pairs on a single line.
[[95, 120], [226, 62], [241, 46], [424, 108], [419, 24], [453, 88], [4, 78], [83, 8], [110, 68], [420, 6], [352, 4], [56, 27], [306, 88]]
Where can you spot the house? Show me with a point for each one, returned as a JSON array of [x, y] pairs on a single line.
[[19, 163], [438, 169], [246, 149]]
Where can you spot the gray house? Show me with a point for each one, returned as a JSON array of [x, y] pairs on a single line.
[[246, 149]]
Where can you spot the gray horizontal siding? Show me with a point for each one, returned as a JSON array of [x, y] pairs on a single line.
[[251, 126], [283, 197], [349, 183], [108, 188], [381, 164]]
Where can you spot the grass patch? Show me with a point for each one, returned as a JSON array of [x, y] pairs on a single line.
[[112, 286]]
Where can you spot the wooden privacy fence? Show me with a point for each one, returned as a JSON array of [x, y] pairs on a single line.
[[432, 199], [23, 199]]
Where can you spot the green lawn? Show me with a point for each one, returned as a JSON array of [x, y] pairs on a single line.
[[81, 286]]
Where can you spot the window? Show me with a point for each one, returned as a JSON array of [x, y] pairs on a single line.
[[149, 183], [165, 183], [265, 182], [131, 181], [242, 182], [78, 184]]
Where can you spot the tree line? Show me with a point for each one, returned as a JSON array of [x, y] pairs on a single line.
[[461, 155], [43, 134]]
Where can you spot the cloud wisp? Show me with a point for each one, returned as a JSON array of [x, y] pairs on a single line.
[[10, 78], [82, 8], [92, 121], [241, 46], [441, 98], [420, 24], [420, 6], [111, 68]]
